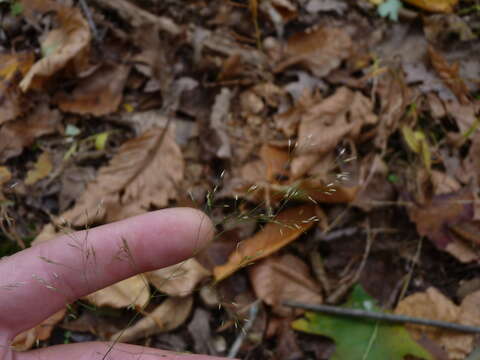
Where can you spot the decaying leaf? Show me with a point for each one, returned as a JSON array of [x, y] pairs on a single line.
[[281, 278], [443, 6], [172, 313], [144, 173], [325, 124], [62, 45], [27, 339], [445, 220], [218, 119], [12, 68], [368, 340], [180, 279], [285, 228], [450, 75], [5, 175], [98, 94], [42, 168], [433, 305], [320, 49], [133, 291], [15, 135]]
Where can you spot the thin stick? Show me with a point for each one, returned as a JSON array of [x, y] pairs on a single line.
[[252, 315], [371, 315], [88, 14]]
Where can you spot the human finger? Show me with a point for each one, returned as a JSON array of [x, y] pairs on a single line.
[[37, 282], [104, 351]]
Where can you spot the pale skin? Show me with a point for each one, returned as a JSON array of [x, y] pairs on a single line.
[[37, 282]]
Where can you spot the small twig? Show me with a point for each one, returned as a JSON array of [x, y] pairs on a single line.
[[252, 315], [371, 315], [88, 15]]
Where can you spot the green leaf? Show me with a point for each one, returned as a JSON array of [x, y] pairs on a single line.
[[390, 8], [362, 339], [101, 140], [16, 8]]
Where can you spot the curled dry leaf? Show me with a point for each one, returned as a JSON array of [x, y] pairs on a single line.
[[443, 6], [5, 176], [172, 313], [447, 220], [433, 305], [180, 279], [62, 45], [98, 94], [325, 124], [320, 49], [15, 135], [27, 339], [128, 292], [12, 67], [42, 168], [144, 173], [285, 228], [450, 75], [281, 278], [218, 118]]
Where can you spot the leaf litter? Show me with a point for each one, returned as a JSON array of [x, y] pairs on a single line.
[[289, 122]]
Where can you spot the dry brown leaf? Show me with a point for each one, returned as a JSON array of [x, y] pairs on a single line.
[[12, 68], [27, 339], [320, 49], [64, 45], [446, 220], [172, 313], [450, 75], [395, 96], [325, 124], [98, 94], [285, 228], [15, 135], [42, 168], [128, 292], [218, 118], [281, 278], [144, 173], [5, 175], [180, 279], [276, 161], [435, 306], [443, 6]]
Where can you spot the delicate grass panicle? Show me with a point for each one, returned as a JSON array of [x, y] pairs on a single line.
[[241, 209]]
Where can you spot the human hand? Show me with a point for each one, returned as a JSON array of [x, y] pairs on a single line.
[[32, 289]]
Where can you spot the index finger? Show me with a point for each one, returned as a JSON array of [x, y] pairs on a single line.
[[37, 282]]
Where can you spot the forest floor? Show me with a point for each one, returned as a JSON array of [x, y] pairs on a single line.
[[334, 143]]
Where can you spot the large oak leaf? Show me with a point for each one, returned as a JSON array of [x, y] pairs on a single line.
[[143, 174]]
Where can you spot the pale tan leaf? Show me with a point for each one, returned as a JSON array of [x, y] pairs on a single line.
[[281, 278], [61, 45], [27, 339], [433, 305], [144, 173], [5, 175], [42, 168], [128, 292], [180, 279], [328, 122], [319, 49], [172, 313], [285, 228]]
